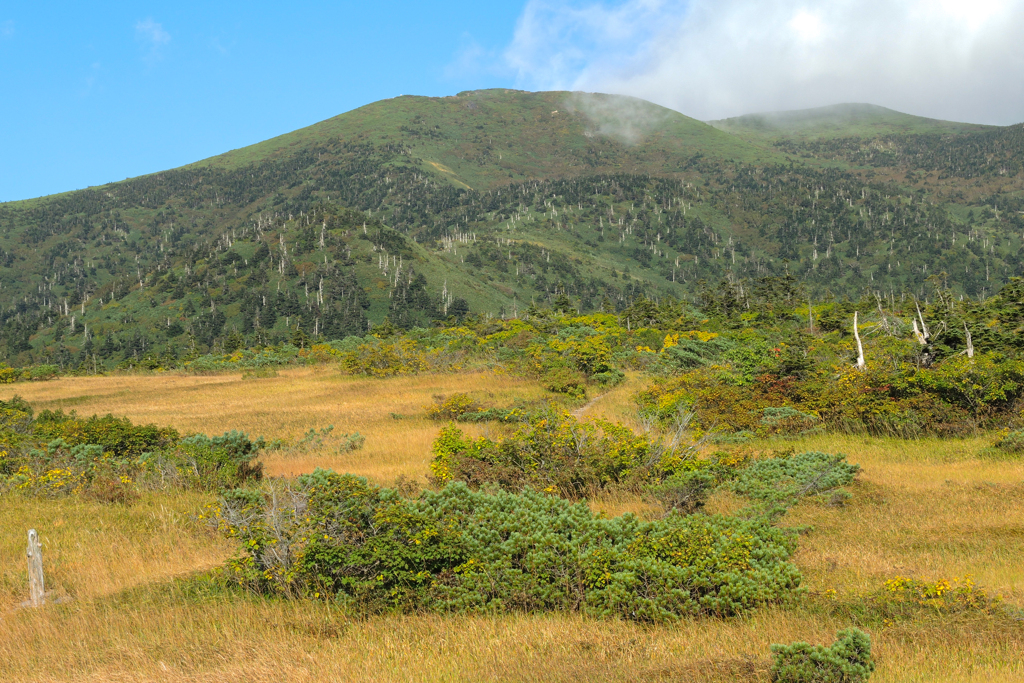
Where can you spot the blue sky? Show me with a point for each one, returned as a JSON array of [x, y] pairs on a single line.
[[97, 92]]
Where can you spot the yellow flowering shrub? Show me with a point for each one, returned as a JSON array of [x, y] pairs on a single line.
[[943, 596]]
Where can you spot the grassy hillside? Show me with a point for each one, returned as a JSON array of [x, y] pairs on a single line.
[[866, 136], [485, 138], [420, 208], [838, 120]]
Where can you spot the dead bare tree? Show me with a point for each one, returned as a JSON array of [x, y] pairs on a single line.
[[970, 342], [861, 365]]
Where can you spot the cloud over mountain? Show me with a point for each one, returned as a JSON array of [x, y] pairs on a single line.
[[952, 59]]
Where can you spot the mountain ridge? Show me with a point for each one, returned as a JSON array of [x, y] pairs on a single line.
[[860, 119], [486, 202]]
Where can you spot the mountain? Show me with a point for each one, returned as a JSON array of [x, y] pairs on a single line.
[[418, 209], [839, 120], [486, 138], [867, 136]]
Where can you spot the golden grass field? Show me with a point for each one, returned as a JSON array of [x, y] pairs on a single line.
[[928, 509]]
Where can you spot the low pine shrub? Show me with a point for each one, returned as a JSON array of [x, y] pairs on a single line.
[[688, 488], [109, 458], [496, 415], [557, 453], [214, 463], [777, 483], [1011, 442], [313, 439], [847, 660], [785, 420], [564, 380], [117, 436], [339, 538], [351, 442], [609, 378]]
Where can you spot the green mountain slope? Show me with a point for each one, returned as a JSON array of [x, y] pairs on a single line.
[[485, 138], [840, 120], [422, 208]]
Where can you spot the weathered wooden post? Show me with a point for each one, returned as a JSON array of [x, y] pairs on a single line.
[[36, 589]]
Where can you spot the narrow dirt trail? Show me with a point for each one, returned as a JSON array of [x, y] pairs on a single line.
[[611, 402], [578, 413]]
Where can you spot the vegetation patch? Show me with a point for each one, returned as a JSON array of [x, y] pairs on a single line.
[[779, 482], [557, 453], [55, 454], [847, 660], [337, 537]]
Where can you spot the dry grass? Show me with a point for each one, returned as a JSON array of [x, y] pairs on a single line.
[[169, 635], [931, 509], [390, 413], [93, 548], [928, 509]]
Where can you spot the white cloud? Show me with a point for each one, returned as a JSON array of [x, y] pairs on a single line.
[[952, 59], [471, 59], [153, 35]]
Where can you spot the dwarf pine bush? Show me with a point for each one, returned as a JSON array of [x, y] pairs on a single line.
[[556, 453], [1011, 442], [847, 660], [778, 482], [340, 538], [351, 442], [58, 454]]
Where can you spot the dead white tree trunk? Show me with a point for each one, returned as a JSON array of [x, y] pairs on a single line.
[[861, 365], [36, 588], [924, 328], [919, 335], [970, 342]]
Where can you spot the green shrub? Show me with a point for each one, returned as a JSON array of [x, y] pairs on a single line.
[[110, 458], [847, 660], [609, 378], [337, 537], [351, 442], [313, 439], [16, 421], [786, 420], [1011, 442], [564, 380], [686, 492], [451, 408], [694, 353], [41, 372], [781, 481], [218, 462], [117, 436], [557, 453], [496, 415]]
